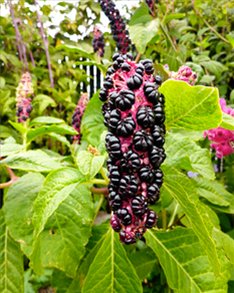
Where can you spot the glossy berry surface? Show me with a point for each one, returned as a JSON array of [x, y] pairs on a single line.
[[134, 115]]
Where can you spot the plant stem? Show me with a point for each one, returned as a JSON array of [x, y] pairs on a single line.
[[13, 178], [46, 45], [172, 219], [102, 190], [168, 37], [164, 219], [138, 57], [105, 177], [98, 181]]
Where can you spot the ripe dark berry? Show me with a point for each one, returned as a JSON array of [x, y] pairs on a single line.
[[98, 42], [114, 175], [113, 146], [159, 113], [157, 156], [158, 135], [142, 141], [132, 161], [103, 95], [124, 216], [135, 81], [128, 186], [153, 193], [151, 219], [126, 127], [146, 174], [145, 117], [151, 92], [125, 100], [158, 177], [139, 205], [114, 119]]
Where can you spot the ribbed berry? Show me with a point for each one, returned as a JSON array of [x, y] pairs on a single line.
[[134, 115]]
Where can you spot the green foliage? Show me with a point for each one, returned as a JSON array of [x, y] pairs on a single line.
[[54, 231]]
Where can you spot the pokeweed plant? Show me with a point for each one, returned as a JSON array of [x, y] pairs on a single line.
[[58, 203]]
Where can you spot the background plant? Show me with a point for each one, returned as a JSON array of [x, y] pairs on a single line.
[[55, 230]]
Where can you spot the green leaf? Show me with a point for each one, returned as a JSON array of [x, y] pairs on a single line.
[[142, 28], [34, 160], [92, 124], [10, 147], [67, 230], [18, 126], [56, 188], [61, 129], [185, 153], [182, 190], [74, 49], [184, 261], [111, 271], [11, 262], [18, 208], [2, 82], [214, 67], [216, 194], [227, 122], [191, 107], [89, 164], [46, 120], [226, 242], [41, 102]]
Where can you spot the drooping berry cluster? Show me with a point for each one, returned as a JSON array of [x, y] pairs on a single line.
[[150, 4], [222, 139], [23, 101], [77, 115], [118, 27], [184, 73], [98, 42], [134, 114]]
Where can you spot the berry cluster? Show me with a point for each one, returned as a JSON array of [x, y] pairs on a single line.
[[150, 4], [118, 27], [98, 42], [23, 101], [184, 73], [134, 114], [77, 115], [222, 139]]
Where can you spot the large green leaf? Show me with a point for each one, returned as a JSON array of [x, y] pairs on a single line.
[[46, 120], [41, 102], [184, 261], [92, 121], [216, 194], [33, 160], [58, 129], [142, 28], [89, 164], [62, 242], [11, 262], [182, 190], [179, 148], [10, 147], [111, 271], [191, 107], [18, 208], [56, 188]]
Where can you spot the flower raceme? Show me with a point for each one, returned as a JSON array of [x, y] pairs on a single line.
[[222, 139], [23, 101], [98, 42], [118, 27], [77, 116], [133, 112]]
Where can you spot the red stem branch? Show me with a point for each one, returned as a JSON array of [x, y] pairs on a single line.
[[46, 45], [13, 178], [19, 42], [102, 190]]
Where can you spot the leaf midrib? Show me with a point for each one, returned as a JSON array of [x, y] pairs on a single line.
[[175, 260]]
